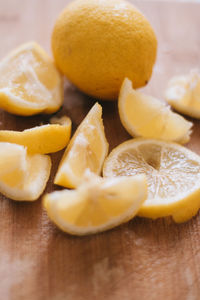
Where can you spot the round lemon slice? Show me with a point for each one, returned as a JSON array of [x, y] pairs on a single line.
[[145, 116], [183, 94], [97, 205], [30, 82], [26, 175], [173, 175], [41, 139], [85, 152]]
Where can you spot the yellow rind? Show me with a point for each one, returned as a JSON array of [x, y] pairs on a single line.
[[41, 139], [125, 45]]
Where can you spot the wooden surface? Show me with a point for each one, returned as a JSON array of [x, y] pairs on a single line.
[[143, 259]]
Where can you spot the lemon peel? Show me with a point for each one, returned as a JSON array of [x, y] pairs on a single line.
[[41, 139]]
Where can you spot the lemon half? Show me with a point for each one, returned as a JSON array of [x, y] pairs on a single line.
[[173, 175]]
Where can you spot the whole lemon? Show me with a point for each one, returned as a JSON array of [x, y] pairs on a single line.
[[97, 43]]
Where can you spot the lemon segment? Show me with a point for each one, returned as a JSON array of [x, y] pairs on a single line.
[[145, 116], [97, 43], [173, 176], [12, 160], [29, 189], [41, 139], [85, 152], [30, 82], [97, 204], [183, 94], [25, 176]]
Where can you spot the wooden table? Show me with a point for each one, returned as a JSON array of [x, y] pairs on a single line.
[[142, 259]]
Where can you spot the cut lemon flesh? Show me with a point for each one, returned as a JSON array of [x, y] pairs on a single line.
[[41, 139], [145, 116], [27, 177], [183, 94], [97, 205], [30, 82], [12, 160], [173, 175], [85, 152]]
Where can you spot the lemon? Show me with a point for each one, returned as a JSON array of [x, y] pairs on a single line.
[[97, 43], [27, 179], [85, 152], [12, 160], [97, 205], [30, 82], [145, 116], [41, 139], [173, 175], [183, 94]]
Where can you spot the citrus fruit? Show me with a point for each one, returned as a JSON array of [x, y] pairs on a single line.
[[30, 82], [85, 152], [97, 205], [145, 116], [173, 175], [97, 43], [41, 139], [12, 159], [27, 177], [183, 94]]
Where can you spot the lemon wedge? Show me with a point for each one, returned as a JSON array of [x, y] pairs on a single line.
[[26, 175], [41, 139], [183, 94], [97, 204], [145, 116], [12, 160], [85, 152], [30, 82], [173, 175]]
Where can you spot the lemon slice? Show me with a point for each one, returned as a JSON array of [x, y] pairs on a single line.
[[30, 82], [41, 139], [145, 116], [173, 175], [85, 152], [183, 94], [97, 205], [26, 178]]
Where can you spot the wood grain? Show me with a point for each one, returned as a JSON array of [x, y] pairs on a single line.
[[142, 259]]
